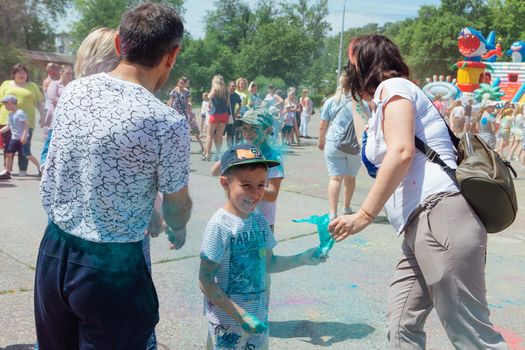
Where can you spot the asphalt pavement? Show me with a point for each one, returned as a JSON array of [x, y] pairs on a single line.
[[340, 304]]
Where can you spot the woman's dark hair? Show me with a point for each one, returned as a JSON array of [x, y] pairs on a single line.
[[377, 59], [19, 67], [148, 32]]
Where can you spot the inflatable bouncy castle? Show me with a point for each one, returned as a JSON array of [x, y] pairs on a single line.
[[443, 87], [471, 70], [479, 72]]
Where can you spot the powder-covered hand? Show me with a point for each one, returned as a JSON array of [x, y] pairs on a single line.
[[314, 256], [156, 225], [176, 238], [252, 324]]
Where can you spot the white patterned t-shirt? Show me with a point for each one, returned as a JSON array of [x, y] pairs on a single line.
[[239, 247], [114, 146]]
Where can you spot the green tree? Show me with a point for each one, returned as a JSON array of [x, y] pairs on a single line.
[[429, 42], [22, 27], [276, 50], [507, 17], [230, 23], [200, 60]]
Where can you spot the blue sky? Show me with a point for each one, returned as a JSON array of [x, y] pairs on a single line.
[[358, 12]]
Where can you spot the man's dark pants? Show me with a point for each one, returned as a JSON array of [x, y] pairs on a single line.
[[92, 295]]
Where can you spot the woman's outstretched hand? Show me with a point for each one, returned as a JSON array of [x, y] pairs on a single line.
[[346, 225]]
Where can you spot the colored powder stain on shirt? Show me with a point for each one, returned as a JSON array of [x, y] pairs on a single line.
[[228, 340]]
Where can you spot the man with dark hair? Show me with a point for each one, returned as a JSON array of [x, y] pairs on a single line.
[[148, 33], [114, 147]]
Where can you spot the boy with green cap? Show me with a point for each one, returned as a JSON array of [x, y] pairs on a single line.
[[237, 255], [257, 129]]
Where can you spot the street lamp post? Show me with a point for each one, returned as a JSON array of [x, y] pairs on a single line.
[[339, 64]]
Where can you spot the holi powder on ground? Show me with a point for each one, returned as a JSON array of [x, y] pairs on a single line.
[[504, 303], [297, 301], [513, 340]]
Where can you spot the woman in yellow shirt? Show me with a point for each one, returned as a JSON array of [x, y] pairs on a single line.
[[30, 99]]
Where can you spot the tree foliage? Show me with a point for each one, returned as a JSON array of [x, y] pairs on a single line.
[[274, 41], [22, 27]]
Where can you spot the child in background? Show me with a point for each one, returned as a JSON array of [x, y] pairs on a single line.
[[237, 254], [204, 113], [19, 127], [289, 119]]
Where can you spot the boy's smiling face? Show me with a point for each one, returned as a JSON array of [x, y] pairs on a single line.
[[245, 189], [254, 134]]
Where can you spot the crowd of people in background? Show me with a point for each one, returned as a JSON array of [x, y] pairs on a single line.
[[225, 104], [501, 125]]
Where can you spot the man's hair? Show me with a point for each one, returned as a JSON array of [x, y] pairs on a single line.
[[249, 166], [148, 32]]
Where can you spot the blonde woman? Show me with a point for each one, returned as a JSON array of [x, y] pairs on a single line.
[[306, 112], [219, 105], [291, 108], [241, 85], [342, 167], [290, 123], [96, 53]]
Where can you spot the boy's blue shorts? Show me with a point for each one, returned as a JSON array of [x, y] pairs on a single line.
[[14, 146]]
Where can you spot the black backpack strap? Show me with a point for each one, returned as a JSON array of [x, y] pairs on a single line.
[[453, 138], [434, 157]]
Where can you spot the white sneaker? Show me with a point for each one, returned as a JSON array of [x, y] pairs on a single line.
[[22, 173], [348, 211]]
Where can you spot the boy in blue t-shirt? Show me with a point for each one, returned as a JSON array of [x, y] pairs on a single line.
[[237, 254], [257, 128], [19, 133]]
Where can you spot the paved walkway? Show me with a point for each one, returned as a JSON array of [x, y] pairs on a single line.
[[340, 304]]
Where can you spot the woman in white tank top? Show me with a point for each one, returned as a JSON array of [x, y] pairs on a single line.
[[443, 252]]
